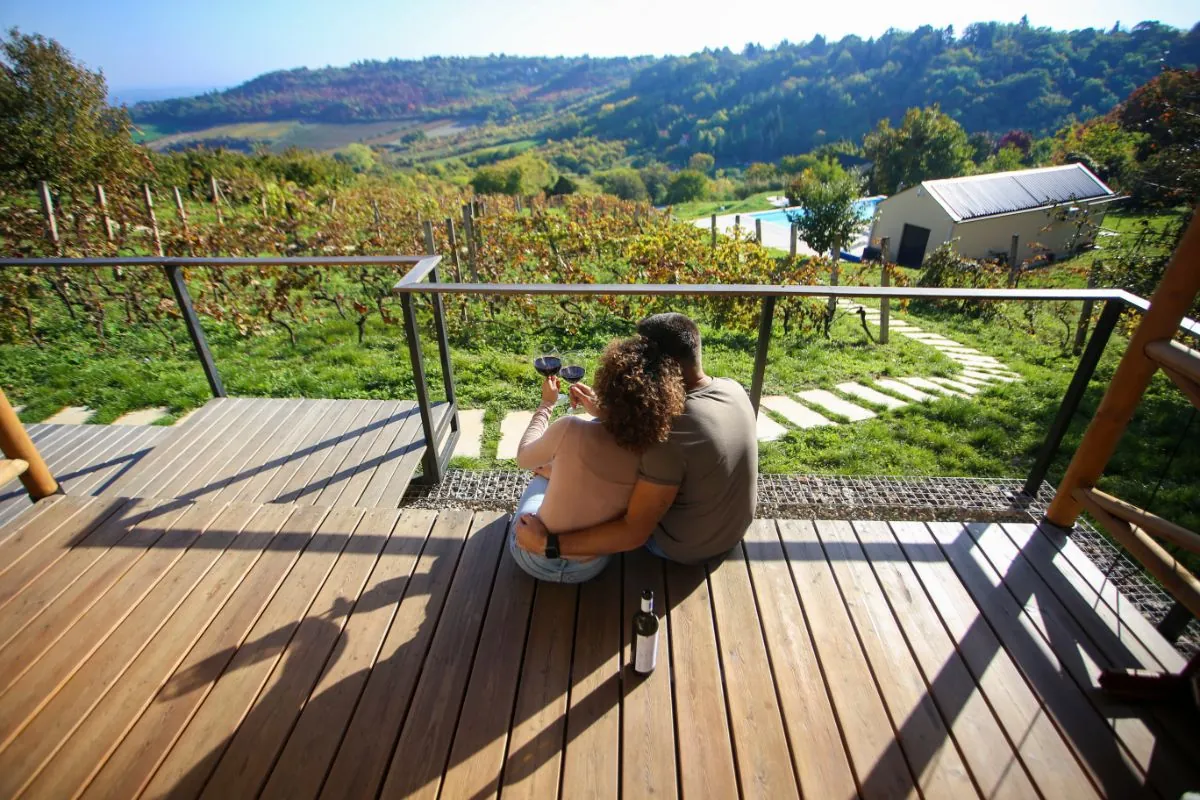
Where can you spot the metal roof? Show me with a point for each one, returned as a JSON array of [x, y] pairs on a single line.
[[978, 196]]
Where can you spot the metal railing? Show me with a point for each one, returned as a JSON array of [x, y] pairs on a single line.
[[422, 278]]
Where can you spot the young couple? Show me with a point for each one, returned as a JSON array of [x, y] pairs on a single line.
[[670, 463]]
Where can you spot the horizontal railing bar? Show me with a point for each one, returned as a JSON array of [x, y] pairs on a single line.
[[263, 261]]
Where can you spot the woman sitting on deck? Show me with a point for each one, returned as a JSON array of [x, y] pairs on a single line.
[[586, 469]]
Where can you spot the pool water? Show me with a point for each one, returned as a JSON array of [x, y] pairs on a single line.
[[866, 207]]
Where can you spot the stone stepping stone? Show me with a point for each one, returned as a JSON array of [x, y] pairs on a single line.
[[512, 428], [958, 386], [988, 376], [71, 415], [961, 378], [143, 416], [870, 395], [835, 405], [768, 430], [921, 383], [978, 361], [902, 389], [961, 350], [793, 412], [470, 433], [904, 328]]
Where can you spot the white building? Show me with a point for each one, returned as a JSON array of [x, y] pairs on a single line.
[[1051, 210]]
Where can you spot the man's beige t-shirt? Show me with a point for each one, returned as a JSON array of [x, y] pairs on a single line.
[[712, 456]]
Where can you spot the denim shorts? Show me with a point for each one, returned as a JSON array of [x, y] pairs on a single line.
[[554, 570]]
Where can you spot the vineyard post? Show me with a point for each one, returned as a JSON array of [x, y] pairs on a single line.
[[216, 198], [714, 231], [149, 200], [795, 235], [453, 236], [102, 202], [180, 209], [758, 230], [1013, 267], [469, 232], [378, 218], [834, 253], [48, 210], [519, 204], [885, 304], [737, 225], [263, 203], [1085, 313]]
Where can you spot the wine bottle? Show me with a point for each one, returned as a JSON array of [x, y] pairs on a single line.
[[645, 636]]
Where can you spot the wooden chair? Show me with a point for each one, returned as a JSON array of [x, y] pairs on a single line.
[[1138, 531]]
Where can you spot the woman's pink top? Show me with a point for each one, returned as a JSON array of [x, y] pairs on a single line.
[[591, 476]]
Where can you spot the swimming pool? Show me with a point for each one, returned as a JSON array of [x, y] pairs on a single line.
[[866, 208]]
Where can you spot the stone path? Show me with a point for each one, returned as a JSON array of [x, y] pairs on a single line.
[[71, 415], [470, 433], [145, 416]]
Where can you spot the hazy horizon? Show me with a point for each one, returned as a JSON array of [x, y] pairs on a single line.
[[147, 48]]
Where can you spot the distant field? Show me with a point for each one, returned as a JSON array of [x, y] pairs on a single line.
[[704, 208], [318, 136]]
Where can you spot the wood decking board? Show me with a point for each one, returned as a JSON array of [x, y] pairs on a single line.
[[172, 648], [315, 416], [304, 458]]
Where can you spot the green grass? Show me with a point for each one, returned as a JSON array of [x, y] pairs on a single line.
[[706, 208]]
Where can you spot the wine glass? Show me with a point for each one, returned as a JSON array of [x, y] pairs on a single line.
[[547, 362], [572, 368]]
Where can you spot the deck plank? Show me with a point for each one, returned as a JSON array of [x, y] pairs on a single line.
[[314, 741], [360, 766], [367, 455], [1050, 756], [995, 765], [764, 761], [401, 459], [879, 765], [28, 515], [182, 766], [111, 465], [818, 752], [311, 478], [931, 752], [701, 718], [216, 463], [314, 416], [184, 601], [134, 758], [477, 756], [419, 758], [224, 477], [591, 761], [300, 464], [648, 765], [179, 644]]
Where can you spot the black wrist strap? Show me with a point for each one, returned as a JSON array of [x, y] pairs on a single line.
[[552, 550]]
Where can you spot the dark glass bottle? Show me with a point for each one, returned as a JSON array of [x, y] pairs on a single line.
[[645, 636]]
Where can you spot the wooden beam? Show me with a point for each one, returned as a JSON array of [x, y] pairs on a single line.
[[1168, 306], [1181, 363], [11, 468], [15, 444], [1153, 524]]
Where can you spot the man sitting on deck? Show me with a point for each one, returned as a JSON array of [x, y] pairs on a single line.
[[696, 493]]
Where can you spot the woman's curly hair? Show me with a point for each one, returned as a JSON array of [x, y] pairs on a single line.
[[641, 391]]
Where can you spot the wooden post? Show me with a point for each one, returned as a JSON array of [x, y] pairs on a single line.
[[518, 202], [469, 232], [1014, 268], [835, 254], [378, 217], [795, 239], [714, 231], [216, 198], [885, 303], [427, 232], [758, 230], [16, 444], [737, 225], [102, 202], [1170, 303], [1085, 314], [48, 210], [454, 249], [180, 209], [149, 200], [263, 203]]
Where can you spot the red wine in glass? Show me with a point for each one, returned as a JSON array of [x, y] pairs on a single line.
[[571, 373], [548, 365]]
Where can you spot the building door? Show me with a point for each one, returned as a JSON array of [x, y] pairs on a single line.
[[912, 246]]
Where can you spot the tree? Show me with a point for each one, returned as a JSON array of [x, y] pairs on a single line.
[[760, 176], [827, 217], [625, 183], [1006, 159], [687, 185], [702, 162], [526, 174], [657, 178], [357, 156], [927, 145], [55, 121], [564, 185]]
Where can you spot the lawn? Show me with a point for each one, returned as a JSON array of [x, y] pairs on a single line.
[[706, 208]]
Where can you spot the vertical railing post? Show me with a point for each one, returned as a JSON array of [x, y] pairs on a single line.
[[16, 444], [760, 354], [1075, 391], [430, 463], [439, 324], [885, 279], [184, 300]]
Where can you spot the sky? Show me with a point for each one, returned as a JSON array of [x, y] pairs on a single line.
[[177, 46]]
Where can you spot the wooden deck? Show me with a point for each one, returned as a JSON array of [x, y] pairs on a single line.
[[162, 647]]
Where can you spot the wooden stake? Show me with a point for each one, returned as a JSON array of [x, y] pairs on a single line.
[[1085, 313], [454, 249], [714, 231], [102, 202], [378, 216], [795, 236], [758, 230], [885, 279], [216, 198], [149, 200], [180, 209], [469, 232], [263, 203], [48, 210], [1170, 303], [16, 444], [1014, 268], [427, 230]]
